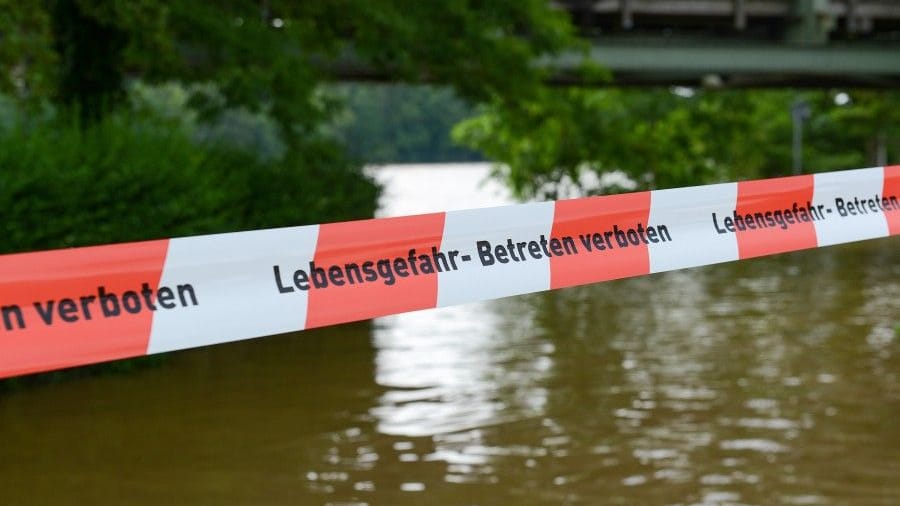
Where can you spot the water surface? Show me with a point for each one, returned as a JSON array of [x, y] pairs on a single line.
[[770, 381]]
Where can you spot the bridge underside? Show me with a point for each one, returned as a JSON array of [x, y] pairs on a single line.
[[728, 43], [689, 63], [819, 43]]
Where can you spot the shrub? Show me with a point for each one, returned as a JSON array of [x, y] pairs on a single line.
[[131, 177]]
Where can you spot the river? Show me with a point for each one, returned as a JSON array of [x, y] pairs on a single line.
[[770, 381]]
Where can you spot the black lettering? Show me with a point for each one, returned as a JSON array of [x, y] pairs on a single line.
[[621, 238], [109, 303], [633, 237], [520, 247], [10, 312], [585, 241], [748, 221], [816, 211], [277, 272], [400, 267], [301, 281], [556, 246], [368, 269], [640, 231], [440, 261], [500, 254], [453, 255], [165, 296], [544, 246], [131, 302], [86, 305], [779, 218], [46, 313], [353, 274], [512, 250], [412, 262], [147, 292], [319, 278], [189, 290], [664, 233], [427, 267], [729, 223], [569, 245], [384, 269], [336, 276], [68, 310], [759, 220], [739, 222]]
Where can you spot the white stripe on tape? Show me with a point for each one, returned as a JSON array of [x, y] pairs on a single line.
[[64, 308], [240, 298]]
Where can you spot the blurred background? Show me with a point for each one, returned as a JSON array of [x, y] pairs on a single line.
[[769, 381]]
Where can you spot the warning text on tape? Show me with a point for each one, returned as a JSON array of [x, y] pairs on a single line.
[[80, 306]]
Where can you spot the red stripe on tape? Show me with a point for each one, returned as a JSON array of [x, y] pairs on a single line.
[[891, 192], [609, 234], [379, 246], [72, 307], [773, 200]]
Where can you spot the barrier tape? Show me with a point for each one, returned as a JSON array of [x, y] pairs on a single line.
[[80, 306]]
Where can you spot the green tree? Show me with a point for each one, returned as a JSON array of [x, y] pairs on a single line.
[[26, 58], [399, 123], [273, 53], [660, 138], [241, 61]]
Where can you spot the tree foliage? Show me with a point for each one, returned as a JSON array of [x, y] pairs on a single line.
[[398, 123], [26, 58], [273, 53], [269, 58], [659, 138], [130, 177]]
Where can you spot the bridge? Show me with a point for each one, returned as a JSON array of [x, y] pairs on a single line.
[[817, 43]]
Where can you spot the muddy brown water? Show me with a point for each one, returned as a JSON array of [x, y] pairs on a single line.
[[771, 381]]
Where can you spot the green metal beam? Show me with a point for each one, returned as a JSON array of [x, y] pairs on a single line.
[[660, 61]]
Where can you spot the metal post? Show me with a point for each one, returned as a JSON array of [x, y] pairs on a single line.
[[813, 21], [740, 14], [627, 15], [881, 149], [852, 17], [800, 111]]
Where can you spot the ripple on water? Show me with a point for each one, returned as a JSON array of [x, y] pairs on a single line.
[[756, 445], [770, 381]]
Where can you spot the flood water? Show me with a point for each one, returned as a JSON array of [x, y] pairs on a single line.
[[771, 381]]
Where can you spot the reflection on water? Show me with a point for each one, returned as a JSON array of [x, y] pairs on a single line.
[[772, 381]]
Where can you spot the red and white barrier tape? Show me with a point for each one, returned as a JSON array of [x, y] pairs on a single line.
[[80, 306]]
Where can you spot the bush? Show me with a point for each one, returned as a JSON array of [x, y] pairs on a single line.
[[131, 177]]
